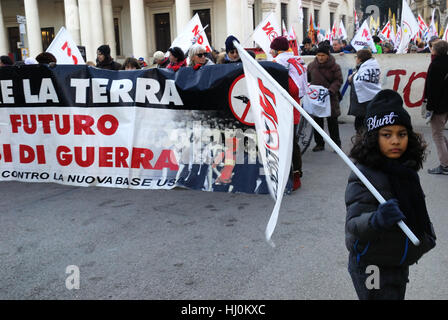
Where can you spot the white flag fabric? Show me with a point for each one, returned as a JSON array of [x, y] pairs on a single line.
[[342, 33], [291, 34], [273, 115], [409, 27], [397, 38], [192, 33], [299, 5], [386, 32], [266, 31], [284, 31], [367, 80], [363, 38], [317, 101], [64, 48]]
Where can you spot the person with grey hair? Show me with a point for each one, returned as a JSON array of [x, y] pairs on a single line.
[[436, 94], [197, 56]]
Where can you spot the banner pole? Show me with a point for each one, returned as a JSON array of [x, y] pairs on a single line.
[[333, 145]]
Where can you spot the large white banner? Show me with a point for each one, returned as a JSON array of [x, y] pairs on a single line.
[[273, 116], [266, 31], [64, 48]]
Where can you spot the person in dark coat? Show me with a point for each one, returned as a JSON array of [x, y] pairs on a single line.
[[324, 71], [104, 60], [177, 59], [389, 154], [370, 84], [436, 93], [231, 55]]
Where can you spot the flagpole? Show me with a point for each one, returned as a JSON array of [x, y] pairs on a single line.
[[335, 147]]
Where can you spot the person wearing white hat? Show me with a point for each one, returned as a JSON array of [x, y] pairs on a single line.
[[159, 59]]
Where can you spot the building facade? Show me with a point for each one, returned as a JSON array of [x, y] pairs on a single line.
[[140, 27]]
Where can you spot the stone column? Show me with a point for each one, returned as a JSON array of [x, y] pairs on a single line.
[[183, 14], [85, 29], [109, 31], [33, 27], [72, 19], [4, 48], [96, 21], [138, 29], [233, 19]]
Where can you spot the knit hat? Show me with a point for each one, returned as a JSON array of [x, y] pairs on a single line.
[[104, 49], [229, 43], [159, 55], [323, 48], [386, 108], [177, 53], [280, 44]]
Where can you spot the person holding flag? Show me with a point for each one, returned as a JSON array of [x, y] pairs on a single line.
[[297, 84], [389, 153]]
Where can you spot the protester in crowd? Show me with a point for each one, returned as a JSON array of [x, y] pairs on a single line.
[[364, 85], [104, 60], [377, 41], [197, 57], [388, 48], [231, 54], [346, 47], [91, 63], [308, 48], [389, 153], [177, 59], [5, 61], [413, 49], [436, 94], [131, 64], [431, 42], [324, 71], [142, 62], [160, 60], [337, 46], [46, 58], [297, 85]]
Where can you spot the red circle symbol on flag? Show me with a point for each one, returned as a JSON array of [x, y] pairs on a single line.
[[239, 101]]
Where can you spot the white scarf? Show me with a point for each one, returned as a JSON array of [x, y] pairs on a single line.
[[367, 80], [301, 80]]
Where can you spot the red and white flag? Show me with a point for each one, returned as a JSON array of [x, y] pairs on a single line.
[[445, 35], [363, 38], [266, 31], [292, 34], [342, 33], [284, 31], [385, 33], [192, 33], [64, 48], [421, 24]]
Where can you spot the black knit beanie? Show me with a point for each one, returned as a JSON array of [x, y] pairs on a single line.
[[229, 43], [323, 48], [385, 109]]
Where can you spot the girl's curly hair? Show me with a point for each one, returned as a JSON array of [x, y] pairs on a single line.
[[366, 150]]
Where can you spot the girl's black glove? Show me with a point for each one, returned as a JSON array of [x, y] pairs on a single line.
[[387, 215]]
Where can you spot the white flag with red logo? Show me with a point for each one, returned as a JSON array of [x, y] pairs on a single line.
[[342, 33], [291, 34], [64, 48], [363, 38], [266, 31], [273, 115], [192, 33], [409, 27], [284, 31], [386, 32]]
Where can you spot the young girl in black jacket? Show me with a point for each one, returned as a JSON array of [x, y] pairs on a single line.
[[389, 153]]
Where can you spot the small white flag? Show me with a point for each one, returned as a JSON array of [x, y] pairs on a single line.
[[64, 48]]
